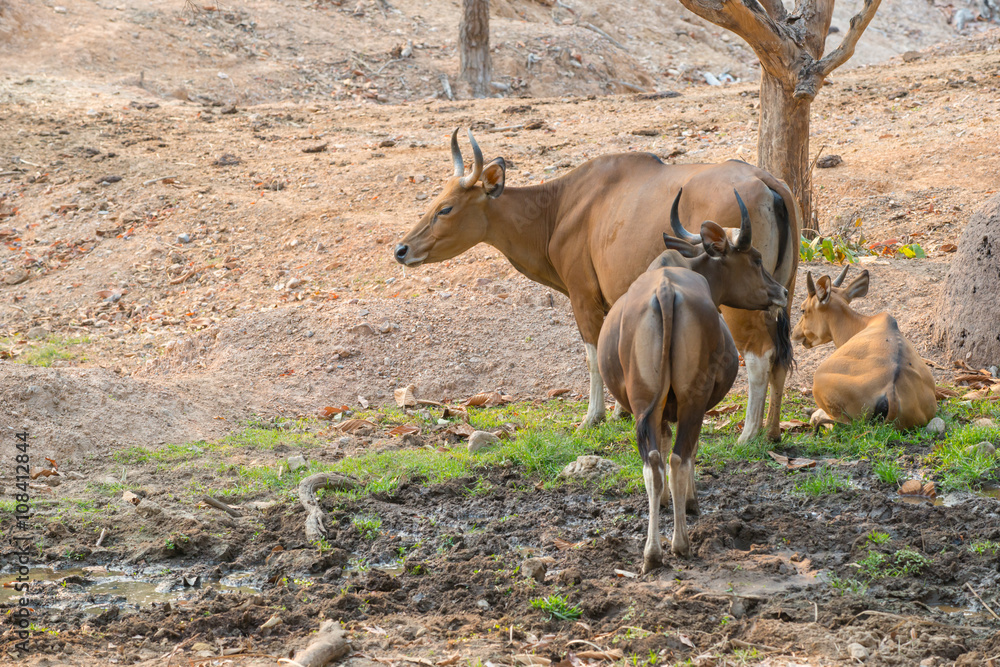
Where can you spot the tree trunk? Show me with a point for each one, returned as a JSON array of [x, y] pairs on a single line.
[[474, 46], [783, 141], [968, 323]]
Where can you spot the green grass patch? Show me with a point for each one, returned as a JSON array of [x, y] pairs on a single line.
[[878, 537], [959, 468], [557, 606], [822, 482], [888, 471], [44, 352]]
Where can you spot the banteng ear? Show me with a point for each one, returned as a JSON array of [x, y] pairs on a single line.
[[823, 288], [494, 175], [714, 239], [857, 288], [810, 285], [683, 247]]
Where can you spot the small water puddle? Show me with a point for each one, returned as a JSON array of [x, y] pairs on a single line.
[[101, 587]]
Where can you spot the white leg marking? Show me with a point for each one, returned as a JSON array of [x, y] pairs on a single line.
[[678, 483], [757, 372], [595, 411], [619, 411], [652, 556]]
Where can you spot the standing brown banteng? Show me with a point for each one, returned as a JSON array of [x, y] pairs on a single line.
[[667, 355], [590, 233], [875, 371]]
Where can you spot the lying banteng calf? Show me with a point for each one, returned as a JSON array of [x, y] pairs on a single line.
[[667, 355], [875, 371]]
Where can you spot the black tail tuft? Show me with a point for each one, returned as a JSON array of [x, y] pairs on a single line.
[[781, 215], [782, 339], [644, 438], [881, 411]]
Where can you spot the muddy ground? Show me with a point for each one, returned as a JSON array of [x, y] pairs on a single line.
[[443, 579]]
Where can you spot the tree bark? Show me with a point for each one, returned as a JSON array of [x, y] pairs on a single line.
[[474, 46], [783, 140], [793, 69]]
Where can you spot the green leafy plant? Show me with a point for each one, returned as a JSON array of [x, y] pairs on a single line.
[[368, 525], [982, 546], [558, 606], [877, 537]]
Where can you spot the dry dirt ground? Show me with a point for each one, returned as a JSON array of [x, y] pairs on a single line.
[[198, 208]]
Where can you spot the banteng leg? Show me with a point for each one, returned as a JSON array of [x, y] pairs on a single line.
[[691, 506], [758, 367], [665, 450], [619, 411], [777, 382], [595, 411], [681, 475], [652, 475]]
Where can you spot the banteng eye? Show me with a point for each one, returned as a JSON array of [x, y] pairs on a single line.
[[445, 211]]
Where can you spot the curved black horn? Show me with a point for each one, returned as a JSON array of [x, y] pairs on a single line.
[[843, 274], [675, 223], [810, 285], [456, 155], [746, 233], [477, 167]]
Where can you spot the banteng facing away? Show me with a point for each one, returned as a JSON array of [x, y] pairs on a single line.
[[590, 233], [875, 371], [667, 356]]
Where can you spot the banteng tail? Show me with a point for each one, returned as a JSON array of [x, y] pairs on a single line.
[[782, 339], [654, 351]]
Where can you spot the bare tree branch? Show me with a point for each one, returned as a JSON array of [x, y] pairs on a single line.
[[749, 20], [843, 53], [775, 9], [816, 18], [812, 74]]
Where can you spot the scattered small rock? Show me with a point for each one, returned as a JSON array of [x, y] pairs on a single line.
[[590, 467], [534, 568], [109, 179], [481, 440], [483, 604], [911, 56], [184, 238], [294, 282], [318, 148], [936, 426], [38, 333], [984, 449], [829, 161], [985, 422], [16, 277], [386, 143], [899, 94], [857, 651], [296, 462]]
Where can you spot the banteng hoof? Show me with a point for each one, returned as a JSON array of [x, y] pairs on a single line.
[[651, 563]]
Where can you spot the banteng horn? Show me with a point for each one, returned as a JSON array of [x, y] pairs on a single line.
[[840, 278], [746, 233], [677, 227]]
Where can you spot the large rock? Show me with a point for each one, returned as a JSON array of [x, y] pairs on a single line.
[[968, 325], [590, 467]]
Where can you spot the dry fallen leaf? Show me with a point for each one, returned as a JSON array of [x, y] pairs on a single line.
[[352, 425], [330, 411], [941, 393], [404, 429], [563, 545], [626, 574], [552, 393], [461, 430], [130, 497], [947, 247], [532, 660], [449, 661], [405, 397], [911, 487], [794, 425], [363, 402], [716, 412], [484, 399], [792, 463]]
